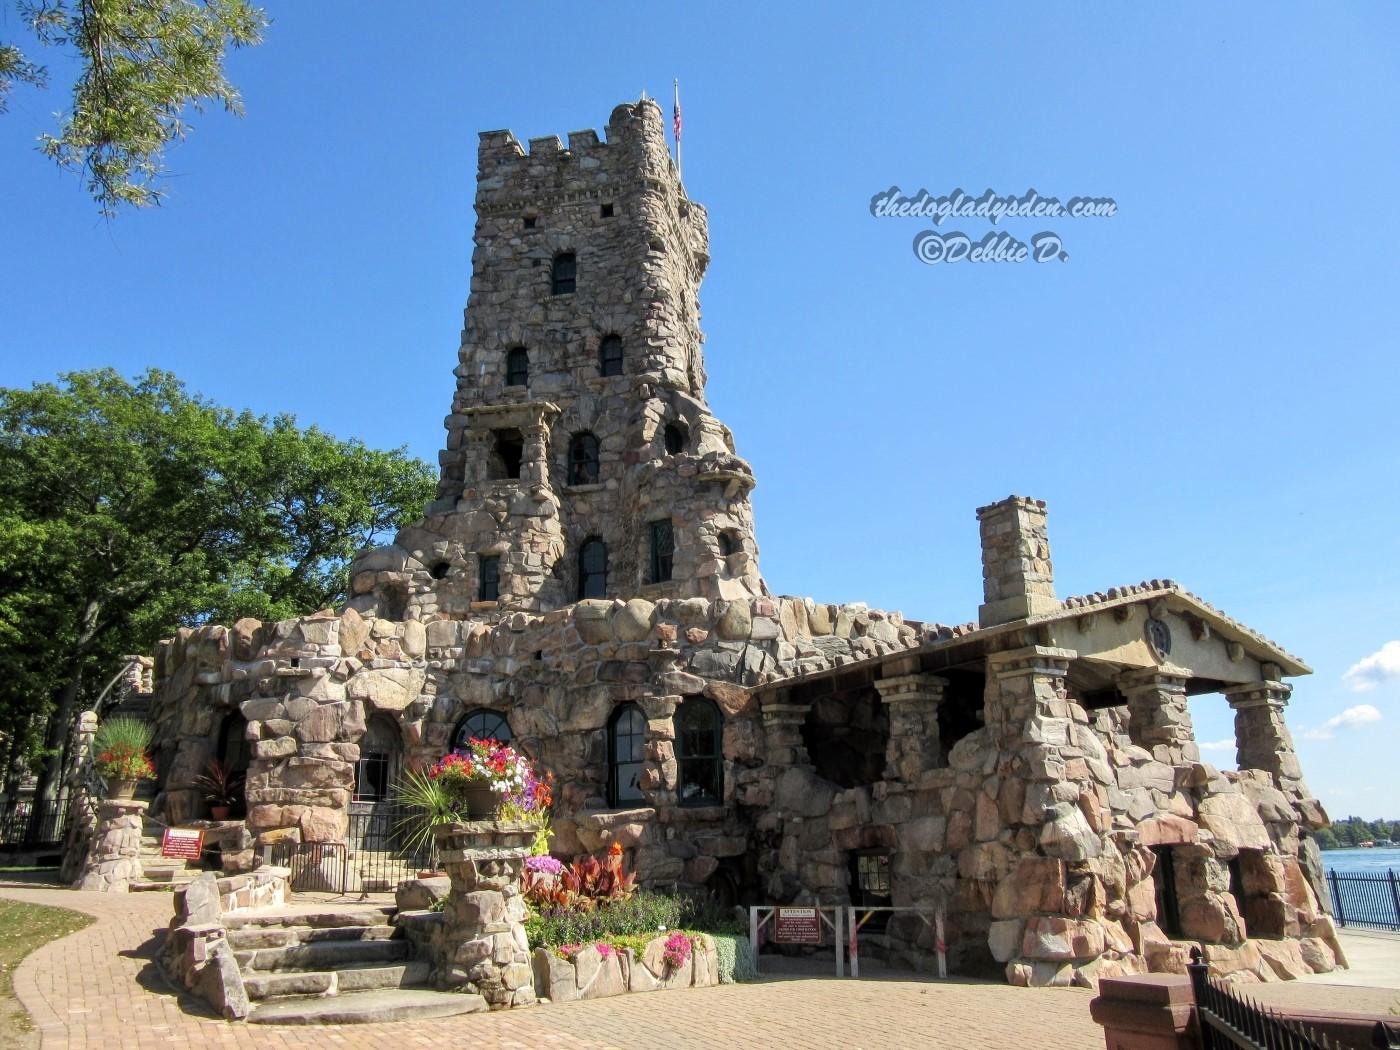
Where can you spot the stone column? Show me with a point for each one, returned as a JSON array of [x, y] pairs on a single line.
[[1159, 720], [782, 731], [914, 746], [1262, 739], [483, 948], [114, 860], [1025, 685]]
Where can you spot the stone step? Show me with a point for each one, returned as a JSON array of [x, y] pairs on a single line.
[[400, 1004], [336, 982], [359, 915], [148, 885], [286, 936], [322, 955]]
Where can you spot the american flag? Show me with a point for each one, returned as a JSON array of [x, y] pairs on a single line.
[[676, 113]]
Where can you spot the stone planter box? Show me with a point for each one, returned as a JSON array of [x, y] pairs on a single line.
[[592, 975]]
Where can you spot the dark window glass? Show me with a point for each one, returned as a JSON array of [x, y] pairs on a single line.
[[490, 587], [1164, 882], [583, 459], [483, 725], [507, 454], [626, 750], [605, 210], [518, 367], [663, 549], [610, 355], [564, 273], [593, 569], [698, 736], [529, 222], [676, 438]]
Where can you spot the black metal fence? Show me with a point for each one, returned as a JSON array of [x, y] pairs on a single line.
[[25, 822], [1365, 898], [1229, 1021], [381, 848]]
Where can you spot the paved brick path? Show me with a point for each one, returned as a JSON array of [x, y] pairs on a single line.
[[99, 990]]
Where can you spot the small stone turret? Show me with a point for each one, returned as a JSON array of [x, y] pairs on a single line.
[[1017, 578]]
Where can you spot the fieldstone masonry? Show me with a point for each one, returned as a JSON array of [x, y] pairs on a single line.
[[1034, 775], [114, 855]]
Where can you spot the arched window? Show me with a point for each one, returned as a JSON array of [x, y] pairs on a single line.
[[593, 569], [610, 355], [482, 724], [563, 274], [583, 459], [627, 730], [662, 543], [677, 437], [377, 768], [518, 367], [699, 729]]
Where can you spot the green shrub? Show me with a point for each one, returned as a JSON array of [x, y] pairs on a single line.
[[643, 914], [735, 958], [703, 912]]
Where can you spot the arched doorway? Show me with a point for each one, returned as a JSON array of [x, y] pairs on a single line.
[[373, 812]]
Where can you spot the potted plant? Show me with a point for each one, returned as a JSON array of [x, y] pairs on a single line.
[[119, 750], [222, 787], [477, 779], [434, 807]]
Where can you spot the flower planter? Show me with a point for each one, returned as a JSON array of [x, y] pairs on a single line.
[[480, 801], [121, 788], [219, 812], [591, 974]]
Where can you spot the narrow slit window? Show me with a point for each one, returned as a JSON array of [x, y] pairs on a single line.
[[627, 732], [583, 459], [610, 355], [663, 549], [1164, 883], [563, 276], [676, 437], [489, 587], [593, 569], [518, 367]]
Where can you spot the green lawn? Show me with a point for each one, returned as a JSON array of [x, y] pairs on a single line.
[[24, 927]]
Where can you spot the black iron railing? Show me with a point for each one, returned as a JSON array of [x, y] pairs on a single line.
[[1365, 898], [1229, 1021], [26, 822], [380, 850]]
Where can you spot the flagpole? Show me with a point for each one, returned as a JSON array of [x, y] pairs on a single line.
[[677, 125]]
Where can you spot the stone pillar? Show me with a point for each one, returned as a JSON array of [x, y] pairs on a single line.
[[1159, 720], [914, 746], [1017, 578], [1151, 1012], [483, 948], [114, 859], [782, 731], [1025, 685], [1262, 739]]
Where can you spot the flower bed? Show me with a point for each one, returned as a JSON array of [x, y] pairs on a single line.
[[595, 971]]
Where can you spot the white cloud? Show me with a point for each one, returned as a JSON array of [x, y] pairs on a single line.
[[1380, 666], [1228, 744], [1352, 717]]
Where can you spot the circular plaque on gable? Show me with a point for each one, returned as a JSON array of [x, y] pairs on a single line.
[[1159, 637]]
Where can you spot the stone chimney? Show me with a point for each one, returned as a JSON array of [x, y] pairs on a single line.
[[1017, 578]]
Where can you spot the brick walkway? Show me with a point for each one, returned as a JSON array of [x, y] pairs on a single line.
[[100, 990]]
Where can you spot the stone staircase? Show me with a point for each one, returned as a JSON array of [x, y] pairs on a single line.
[[335, 965], [160, 873]]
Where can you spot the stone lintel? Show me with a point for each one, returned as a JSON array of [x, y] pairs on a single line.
[[784, 714], [1258, 694], [1031, 660]]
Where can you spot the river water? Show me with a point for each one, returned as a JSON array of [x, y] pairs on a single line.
[[1344, 860], [1371, 898]]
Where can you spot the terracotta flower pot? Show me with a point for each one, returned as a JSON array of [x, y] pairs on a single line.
[[121, 788], [220, 812]]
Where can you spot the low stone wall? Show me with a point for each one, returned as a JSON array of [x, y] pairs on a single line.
[[114, 855], [591, 974], [196, 954]]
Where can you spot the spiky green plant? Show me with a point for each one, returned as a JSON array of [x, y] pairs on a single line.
[[433, 803], [122, 733]]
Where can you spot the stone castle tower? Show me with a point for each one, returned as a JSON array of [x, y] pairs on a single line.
[[582, 460]]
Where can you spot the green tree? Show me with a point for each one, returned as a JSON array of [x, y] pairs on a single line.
[[131, 508], [142, 65]]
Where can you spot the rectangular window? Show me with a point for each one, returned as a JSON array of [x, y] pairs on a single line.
[[507, 454], [1164, 882], [490, 587], [663, 549]]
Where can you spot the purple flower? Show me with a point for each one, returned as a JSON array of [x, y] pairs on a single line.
[[548, 865]]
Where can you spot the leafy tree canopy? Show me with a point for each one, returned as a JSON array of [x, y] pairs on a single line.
[[142, 65], [131, 508]]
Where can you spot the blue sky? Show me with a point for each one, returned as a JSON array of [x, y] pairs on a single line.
[[1204, 390]]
